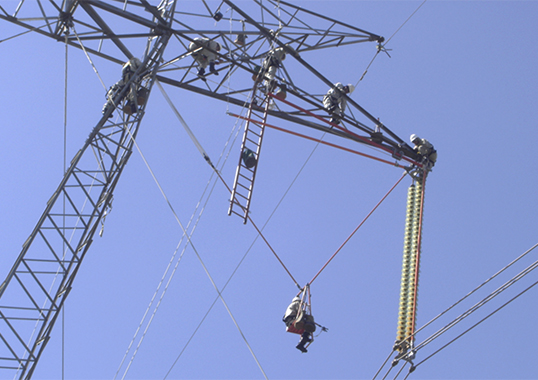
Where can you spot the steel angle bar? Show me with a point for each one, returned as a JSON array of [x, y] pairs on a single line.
[[242, 103], [373, 36], [122, 13], [106, 29]]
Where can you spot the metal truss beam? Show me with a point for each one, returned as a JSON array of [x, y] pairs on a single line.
[[36, 287]]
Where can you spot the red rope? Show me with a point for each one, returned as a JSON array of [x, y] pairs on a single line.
[[362, 138], [359, 226], [319, 141]]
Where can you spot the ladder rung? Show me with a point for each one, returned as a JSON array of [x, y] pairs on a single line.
[[254, 133], [236, 213], [245, 177], [236, 202], [244, 187], [241, 195], [249, 169]]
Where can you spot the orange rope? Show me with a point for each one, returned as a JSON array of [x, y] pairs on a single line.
[[359, 226], [258, 230], [317, 140], [362, 138]]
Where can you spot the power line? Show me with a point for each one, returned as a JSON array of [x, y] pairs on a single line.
[[480, 321]]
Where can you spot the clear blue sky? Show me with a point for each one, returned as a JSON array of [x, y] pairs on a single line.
[[461, 74]]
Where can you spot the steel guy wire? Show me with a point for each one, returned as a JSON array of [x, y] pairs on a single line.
[[199, 258], [243, 258], [27, 31], [89, 58], [177, 263], [382, 47]]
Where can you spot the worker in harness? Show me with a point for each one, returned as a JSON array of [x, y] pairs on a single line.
[[425, 149], [270, 64], [205, 52], [335, 101], [135, 96], [299, 322]]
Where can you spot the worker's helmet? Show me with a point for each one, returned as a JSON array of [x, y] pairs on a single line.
[[350, 88], [135, 63], [414, 137], [218, 47]]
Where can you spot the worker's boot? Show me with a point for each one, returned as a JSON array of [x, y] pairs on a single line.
[[335, 120], [301, 348], [305, 338], [212, 68], [331, 108], [201, 72]]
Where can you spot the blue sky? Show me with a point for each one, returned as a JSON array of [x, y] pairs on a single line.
[[461, 74]]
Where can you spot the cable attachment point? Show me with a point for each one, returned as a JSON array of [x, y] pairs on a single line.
[[66, 19], [406, 352], [382, 48], [206, 157], [416, 173]]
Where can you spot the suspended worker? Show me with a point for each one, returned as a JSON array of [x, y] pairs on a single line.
[[425, 149], [205, 53], [135, 95], [270, 64], [335, 101], [298, 322]]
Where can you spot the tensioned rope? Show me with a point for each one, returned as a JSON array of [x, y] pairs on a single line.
[[242, 259], [206, 157], [208, 160], [248, 216], [359, 226]]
